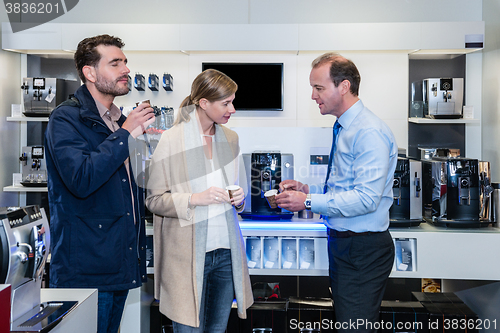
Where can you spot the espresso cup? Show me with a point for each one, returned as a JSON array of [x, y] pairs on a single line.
[[231, 189], [271, 198], [144, 101]]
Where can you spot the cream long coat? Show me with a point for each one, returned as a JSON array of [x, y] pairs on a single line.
[[178, 168]]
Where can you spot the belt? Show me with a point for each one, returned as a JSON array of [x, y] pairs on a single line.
[[348, 233]]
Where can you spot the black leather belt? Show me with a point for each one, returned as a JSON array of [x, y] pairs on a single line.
[[349, 233]]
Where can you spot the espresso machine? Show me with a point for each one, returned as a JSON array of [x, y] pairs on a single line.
[[24, 249], [452, 192], [34, 168], [265, 170], [406, 210], [41, 95], [439, 98]]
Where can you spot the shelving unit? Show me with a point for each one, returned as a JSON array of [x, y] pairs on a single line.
[[24, 189], [442, 121], [23, 118]]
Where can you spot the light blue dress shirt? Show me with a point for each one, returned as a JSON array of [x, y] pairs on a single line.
[[360, 186]]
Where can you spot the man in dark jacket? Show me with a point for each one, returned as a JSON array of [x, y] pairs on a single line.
[[97, 227]]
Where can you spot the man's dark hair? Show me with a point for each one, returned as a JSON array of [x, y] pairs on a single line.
[[340, 69], [87, 55]]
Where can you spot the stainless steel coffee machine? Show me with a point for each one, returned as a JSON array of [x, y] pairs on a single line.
[[265, 170], [41, 95], [33, 165], [24, 249], [406, 210], [437, 98], [452, 192]]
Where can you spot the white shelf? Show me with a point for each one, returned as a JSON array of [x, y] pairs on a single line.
[[442, 121], [21, 188], [23, 118]]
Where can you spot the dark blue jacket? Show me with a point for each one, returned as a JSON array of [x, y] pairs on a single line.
[[94, 241]]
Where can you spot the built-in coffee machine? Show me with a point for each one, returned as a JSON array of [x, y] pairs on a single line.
[[452, 192], [440, 98], [34, 169], [406, 210], [41, 95], [264, 171]]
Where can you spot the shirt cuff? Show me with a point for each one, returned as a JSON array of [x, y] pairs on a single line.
[[319, 204], [190, 209]]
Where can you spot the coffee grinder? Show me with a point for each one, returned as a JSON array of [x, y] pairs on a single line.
[[406, 210], [265, 171]]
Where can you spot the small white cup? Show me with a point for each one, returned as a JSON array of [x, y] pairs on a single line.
[[230, 189], [271, 198]]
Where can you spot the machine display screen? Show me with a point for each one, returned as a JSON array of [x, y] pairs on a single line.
[[39, 83], [37, 152]]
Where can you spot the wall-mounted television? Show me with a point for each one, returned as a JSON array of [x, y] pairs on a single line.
[[260, 85]]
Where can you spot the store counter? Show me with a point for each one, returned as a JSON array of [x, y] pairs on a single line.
[[299, 247]]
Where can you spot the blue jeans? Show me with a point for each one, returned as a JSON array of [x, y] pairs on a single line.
[[359, 269], [110, 306], [218, 294]]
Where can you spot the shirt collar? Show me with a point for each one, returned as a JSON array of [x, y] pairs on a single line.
[[348, 116], [114, 111]]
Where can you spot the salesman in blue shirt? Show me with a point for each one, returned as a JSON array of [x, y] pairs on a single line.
[[355, 198]]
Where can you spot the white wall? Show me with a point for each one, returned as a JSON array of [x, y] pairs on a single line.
[[9, 131], [270, 11], [491, 87], [384, 86]]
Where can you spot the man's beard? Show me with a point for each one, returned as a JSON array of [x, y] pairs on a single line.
[[110, 88]]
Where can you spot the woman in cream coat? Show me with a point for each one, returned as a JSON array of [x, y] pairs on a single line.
[[200, 262]]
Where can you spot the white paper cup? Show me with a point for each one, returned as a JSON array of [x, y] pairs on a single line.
[[231, 189], [144, 101], [271, 198]]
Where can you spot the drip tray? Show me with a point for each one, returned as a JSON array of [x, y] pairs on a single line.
[[44, 317]]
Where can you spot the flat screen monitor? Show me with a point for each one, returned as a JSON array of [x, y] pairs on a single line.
[[260, 85]]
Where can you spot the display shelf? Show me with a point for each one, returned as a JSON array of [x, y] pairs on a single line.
[[23, 118], [415, 120], [20, 188], [440, 251], [292, 272]]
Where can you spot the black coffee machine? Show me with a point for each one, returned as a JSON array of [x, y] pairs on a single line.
[[451, 195], [406, 210], [264, 171]]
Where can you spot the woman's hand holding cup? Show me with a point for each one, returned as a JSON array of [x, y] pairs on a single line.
[[236, 194]]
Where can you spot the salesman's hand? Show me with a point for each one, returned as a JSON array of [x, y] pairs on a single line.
[[291, 200], [290, 184], [139, 119]]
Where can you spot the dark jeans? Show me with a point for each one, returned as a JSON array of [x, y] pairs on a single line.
[[110, 306], [359, 268], [218, 294]]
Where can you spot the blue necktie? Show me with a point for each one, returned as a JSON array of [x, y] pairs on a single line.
[[336, 128]]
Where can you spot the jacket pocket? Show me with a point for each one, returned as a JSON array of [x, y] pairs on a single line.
[[100, 240]]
